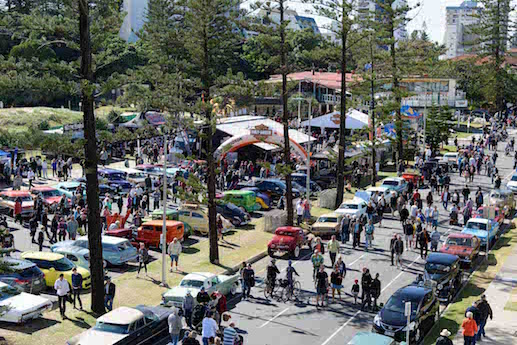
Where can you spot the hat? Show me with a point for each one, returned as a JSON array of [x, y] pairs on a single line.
[[188, 292], [357, 281], [445, 333]]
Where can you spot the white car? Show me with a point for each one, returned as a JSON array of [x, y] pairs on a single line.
[[354, 208], [18, 307], [135, 176], [380, 191], [512, 184]]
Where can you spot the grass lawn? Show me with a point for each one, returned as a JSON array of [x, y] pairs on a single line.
[[472, 124], [105, 110], [477, 284], [462, 135], [239, 246], [448, 148]]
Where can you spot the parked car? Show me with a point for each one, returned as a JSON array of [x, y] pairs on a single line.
[[425, 311], [125, 325], [116, 251], [482, 228], [53, 264], [451, 158], [8, 200], [134, 176], [69, 188], [512, 184], [327, 224], [288, 239], [150, 169], [22, 274], [79, 256], [115, 179], [398, 184], [354, 208], [490, 212], [301, 179], [242, 198], [274, 188], [193, 282], [171, 214], [502, 198], [234, 214], [196, 216], [445, 270], [262, 200], [368, 338], [150, 232], [50, 196], [463, 245], [21, 306], [380, 191]]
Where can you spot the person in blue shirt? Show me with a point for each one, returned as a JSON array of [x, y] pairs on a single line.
[[77, 285]]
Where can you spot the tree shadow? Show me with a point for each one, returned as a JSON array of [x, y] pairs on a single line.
[[190, 250], [31, 327]]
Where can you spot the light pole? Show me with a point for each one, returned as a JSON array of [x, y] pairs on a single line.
[[164, 227]]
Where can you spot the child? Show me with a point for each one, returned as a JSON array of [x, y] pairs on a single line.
[[40, 240], [355, 290]]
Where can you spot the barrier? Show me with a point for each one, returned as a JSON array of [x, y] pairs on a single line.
[[274, 219], [327, 199]]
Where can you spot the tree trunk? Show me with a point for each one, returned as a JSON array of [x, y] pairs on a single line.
[[396, 93], [90, 154], [342, 119], [285, 120]]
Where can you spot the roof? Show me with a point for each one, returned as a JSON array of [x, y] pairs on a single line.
[[399, 179], [107, 239], [48, 256], [18, 264], [240, 125], [238, 192], [354, 120], [289, 228], [479, 220], [42, 188], [460, 235], [413, 290], [442, 258], [121, 316], [109, 170], [16, 193], [199, 276], [70, 249], [377, 189], [331, 80], [159, 222], [331, 214], [168, 211], [369, 338]]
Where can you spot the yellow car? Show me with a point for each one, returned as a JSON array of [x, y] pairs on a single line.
[[327, 224], [196, 216], [53, 264]]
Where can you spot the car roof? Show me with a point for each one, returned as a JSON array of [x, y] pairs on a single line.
[[460, 235], [47, 256], [414, 291], [442, 258], [143, 166], [355, 201], [199, 276], [70, 184], [288, 228], [370, 338], [17, 264], [109, 170], [71, 250], [160, 223], [121, 316], [479, 220], [16, 193], [107, 239], [377, 189], [238, 192], [331, 214], [42, 188], [398, 179]]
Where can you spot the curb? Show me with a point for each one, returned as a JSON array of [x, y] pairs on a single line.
[[251, 260]]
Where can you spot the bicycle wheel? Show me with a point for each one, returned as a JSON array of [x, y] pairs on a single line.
[[286, 294], [297, 288], [266, 290]]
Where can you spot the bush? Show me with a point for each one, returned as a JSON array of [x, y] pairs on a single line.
[[43, 125]]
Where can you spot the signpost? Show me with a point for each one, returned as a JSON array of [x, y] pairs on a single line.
[[407, 312], [164, 228]]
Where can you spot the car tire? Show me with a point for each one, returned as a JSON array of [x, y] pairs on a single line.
[[437, 314], [295, 254], [417, 336], [270, 252], [233, 289]]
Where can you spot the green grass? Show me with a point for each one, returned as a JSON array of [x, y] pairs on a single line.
[[448, 148], [476, 286], [472, 124], [463, 135], [105, 110]]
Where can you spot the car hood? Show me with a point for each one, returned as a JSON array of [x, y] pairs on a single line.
[[92, 336], [456, 250], [25, 302], [282, 239], [512, 184], [438, 277], [52, 199], [475, 232], [324, 225], [180, 291], [61, 244], [393, 318], [346, 211]]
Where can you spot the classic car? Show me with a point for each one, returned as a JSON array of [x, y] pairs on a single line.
[[425, 311], [150, 232], [125, 325], [288, 239], [8, 200], [53, 264], [78, 255], [193, 282], [22, 274], [463, 245], [445, 270], [262, 199], [414, 177], [233, 213], [327, 224], [274, 188], [502, 198], [18, 307], [380, 191], [51, 196], [301, 179], [512, 184], [398, 184], [116, 251], [196, 216], [354, 208], [490, 212], [482, 228], [115, 179], [69, 188], [135, 176], [369, 338], [170, 214], [242, 198], [150, 169]]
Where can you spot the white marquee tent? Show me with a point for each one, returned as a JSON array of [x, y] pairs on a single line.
[[354, 120]]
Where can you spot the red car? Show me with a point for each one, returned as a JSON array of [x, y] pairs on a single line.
[[499, 216], [51, 196], [463, 245], [8, 200], [288, 239]]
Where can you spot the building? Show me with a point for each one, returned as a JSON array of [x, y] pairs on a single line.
[[458, 38], [136, 11], [426, 92], [372, 7]]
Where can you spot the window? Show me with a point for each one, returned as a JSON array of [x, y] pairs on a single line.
[[147, 228], [184, 213], [71, 257], [139, 324], [196, 215]]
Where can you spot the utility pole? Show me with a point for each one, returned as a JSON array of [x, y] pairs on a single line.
[[164, 227], [372, 110]]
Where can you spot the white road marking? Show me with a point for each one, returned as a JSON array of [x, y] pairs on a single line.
[[340, 328], [277, 315], [401, 272], [359, 258]]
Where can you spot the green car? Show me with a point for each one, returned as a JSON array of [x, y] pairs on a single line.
[[368, 338], [171, 214], [242, 198]]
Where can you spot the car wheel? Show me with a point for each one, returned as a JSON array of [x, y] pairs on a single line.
[[437, 314], [233, 289], [296, 252], [270, 252], [418, 335]]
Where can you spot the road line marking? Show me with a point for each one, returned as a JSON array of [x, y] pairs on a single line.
[[359, 258], [341, 328], [277, 315], [401, 272]]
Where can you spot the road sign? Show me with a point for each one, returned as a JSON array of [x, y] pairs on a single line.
[[407, 311]]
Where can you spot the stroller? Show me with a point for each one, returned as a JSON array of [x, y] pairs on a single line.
[[197, 316]]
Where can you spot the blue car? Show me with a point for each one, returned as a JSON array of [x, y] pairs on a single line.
[[116, 251], [368, 338], [69, 188], [115, 179], [23, 275], [482, 228]]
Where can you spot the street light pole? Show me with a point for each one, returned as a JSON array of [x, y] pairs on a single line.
[[164, 227]]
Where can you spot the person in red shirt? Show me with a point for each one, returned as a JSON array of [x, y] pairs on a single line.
[[18, 210], [470, 329]]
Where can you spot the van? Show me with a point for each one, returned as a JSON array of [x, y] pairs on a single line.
[[150, 232], [502, 198], [242, 198]]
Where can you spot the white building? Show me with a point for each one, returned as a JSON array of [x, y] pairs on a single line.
[[458, 39], [136, 12], [370, 6]]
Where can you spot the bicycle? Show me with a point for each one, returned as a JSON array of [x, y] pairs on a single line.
[[291, 292], [269, 290]]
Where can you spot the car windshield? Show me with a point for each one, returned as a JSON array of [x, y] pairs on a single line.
[[63, 264], [397, 304], [285, 233], [514, 178], [111, 328], [136, 175], [49, 193], [116, 176], [81, 243], [434, 267], [123, 245], [476, 225], [23, 198], [7, 292], [191, 283], [232, 207], [459, 241], [349, 206], [32, 271], [390, 183], [495, 195], [327, 219]]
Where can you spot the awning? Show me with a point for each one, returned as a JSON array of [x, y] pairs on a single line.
[[354, 120]]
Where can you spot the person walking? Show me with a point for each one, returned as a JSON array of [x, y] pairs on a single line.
[[175, 250], [423, 240], [336, 280], [18, 210], [399, 249], [355, 290], [41, 238], [345, 231], [357, 233], [230, 334], [109, 294], [333, 249], [376, 290], [210, 328], [188, 308], [485, 311], [62, 289], [175, 326], [470, 329], [369, 234], [443, 339], [366, 282], [392, 247], [317, 261], [248, 276], [435, 240], [72, 226], [299, 212], [143, 258], [321, 285], [77, 285], [476, 314]]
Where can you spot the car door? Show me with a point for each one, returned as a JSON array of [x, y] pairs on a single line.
[[141, 333], [214, 284], [426, 312]]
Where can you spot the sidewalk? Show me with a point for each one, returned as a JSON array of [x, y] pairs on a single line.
[[502, 329]]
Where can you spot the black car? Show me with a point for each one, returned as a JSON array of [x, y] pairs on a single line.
[[301, 179], [233, 213], [22, 274], [445, 270], [425, 308], [274, 188]]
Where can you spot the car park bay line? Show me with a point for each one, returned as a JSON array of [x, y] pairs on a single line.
[[401, 272], [340, 328], [359, 258], [274, 317]]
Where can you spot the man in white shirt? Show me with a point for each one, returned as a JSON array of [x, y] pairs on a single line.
[[62, 289], [299, 211], [174, 252], [209, 328]]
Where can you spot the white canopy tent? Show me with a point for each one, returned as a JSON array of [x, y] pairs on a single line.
[[354, 120]]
